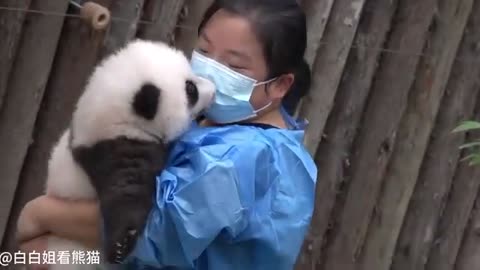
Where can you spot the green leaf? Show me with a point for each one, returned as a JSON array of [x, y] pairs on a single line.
[[475, 160], [466, 126], [469, 145], [467, 157]]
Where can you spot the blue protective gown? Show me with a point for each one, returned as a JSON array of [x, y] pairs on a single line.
[[233, 197]]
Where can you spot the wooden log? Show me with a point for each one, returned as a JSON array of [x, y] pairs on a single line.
[[328, 67], [122, 31], [333, 155], [373, 145], [187, 31], [442, 155], [164, 15], [457, 213], [469, 254], [11, 22], [95, 15], [414, 133], [26, 86], [317, 13], [75, 57]]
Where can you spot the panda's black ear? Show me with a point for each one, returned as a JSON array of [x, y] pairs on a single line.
[[146, 100]]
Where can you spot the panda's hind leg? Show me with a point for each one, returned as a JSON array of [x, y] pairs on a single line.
[[65, 178]]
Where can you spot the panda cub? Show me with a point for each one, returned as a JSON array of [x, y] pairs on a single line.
[[135, 102]]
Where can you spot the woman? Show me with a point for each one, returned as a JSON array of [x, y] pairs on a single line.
[[238, 191]]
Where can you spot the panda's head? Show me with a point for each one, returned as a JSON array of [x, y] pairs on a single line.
[[146, 91]]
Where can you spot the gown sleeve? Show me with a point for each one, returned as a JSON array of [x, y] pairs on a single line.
[[230, 198], [202, 192]]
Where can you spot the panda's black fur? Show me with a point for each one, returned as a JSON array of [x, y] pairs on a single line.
[[122, 171]]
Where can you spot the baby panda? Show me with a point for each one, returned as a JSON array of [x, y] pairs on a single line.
[[135, 103]]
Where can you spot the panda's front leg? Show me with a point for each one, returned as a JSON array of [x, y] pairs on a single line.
[[123, 172], [124, 218]]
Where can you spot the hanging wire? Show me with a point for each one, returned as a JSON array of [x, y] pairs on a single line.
[[77, 16], [356, 46], [75, 4]]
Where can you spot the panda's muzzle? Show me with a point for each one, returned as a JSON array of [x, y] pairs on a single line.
[[152, 134]]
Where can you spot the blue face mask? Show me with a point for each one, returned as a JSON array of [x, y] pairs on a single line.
[[233, 91]]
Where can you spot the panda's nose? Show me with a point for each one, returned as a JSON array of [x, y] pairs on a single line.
[[212, 98], [208, 82]]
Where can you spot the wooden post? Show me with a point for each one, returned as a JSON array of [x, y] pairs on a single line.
[[187, 35], [120, 32], [318, 13], [438, 168], [164, 15], [450, 233], [469, 254], [328, 67], [414, 132], [75, 57], [333, 157], [11, 22], [373, 145], [26, 86]]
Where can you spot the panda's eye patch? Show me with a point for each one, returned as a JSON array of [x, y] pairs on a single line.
[[192, 93], [146, 100], [191, 88]]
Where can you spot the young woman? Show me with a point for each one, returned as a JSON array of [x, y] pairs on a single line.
[[238, 192]]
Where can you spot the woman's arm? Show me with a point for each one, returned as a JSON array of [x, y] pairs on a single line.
[[75, 220]]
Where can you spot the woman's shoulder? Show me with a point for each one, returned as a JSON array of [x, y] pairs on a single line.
[[239, 136], [245, 144], [242, 134]]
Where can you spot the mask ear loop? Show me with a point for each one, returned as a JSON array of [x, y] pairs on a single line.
[[266, 84]]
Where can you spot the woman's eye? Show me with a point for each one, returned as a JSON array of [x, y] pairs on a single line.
[[202, 51], [237, 67]]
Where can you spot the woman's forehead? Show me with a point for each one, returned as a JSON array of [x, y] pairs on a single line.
[[230, 34]]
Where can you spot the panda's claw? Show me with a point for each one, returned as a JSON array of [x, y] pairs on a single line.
[[124, 229], [123, 245]]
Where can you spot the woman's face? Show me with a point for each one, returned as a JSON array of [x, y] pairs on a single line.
[[230, 40]]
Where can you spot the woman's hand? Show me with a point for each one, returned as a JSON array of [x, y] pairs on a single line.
[[38, 245], [29, 224], [75, 220], [31, 234]]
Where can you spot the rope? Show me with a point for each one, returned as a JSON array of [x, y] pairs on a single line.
[[126, 20]]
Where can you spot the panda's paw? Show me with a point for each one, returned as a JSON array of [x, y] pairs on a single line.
[[125, 219], [121, 244], [123, 231]]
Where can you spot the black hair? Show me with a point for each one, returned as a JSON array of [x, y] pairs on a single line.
[[280, 25]]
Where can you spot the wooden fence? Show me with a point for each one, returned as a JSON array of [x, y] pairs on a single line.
[[391, 79]]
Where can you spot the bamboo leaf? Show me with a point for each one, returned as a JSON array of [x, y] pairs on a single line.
[[467, 126], [471, 156], [475, 160], [469, 145]]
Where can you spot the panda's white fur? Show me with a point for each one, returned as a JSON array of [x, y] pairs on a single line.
[[113, 82], [104, 112]]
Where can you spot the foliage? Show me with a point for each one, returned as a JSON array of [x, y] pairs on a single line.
[[474, 146]]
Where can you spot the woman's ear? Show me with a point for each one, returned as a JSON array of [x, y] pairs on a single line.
[[281, 86]]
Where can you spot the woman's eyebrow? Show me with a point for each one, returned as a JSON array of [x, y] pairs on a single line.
[[205, 37], [239, 54], [235, 53]]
